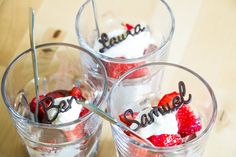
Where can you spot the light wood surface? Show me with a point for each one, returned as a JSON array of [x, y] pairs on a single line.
[[204, 40]]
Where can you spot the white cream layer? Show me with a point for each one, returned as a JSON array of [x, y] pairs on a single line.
[[166, 124]]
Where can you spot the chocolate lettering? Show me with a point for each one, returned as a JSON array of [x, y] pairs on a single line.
[[144, 120], [155, 111], [63, 106], [104, 39], [108, 43], [161, 110], [113, 41], [127, 112], [138, 29], [182, 92], [177, 102], [48, 103], [167, 108], [69, 101], [150, 114], [130, 33], [121, 37]]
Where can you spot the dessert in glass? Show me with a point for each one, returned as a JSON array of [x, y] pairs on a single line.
[[55, 124], [125, 33], [175, 114]]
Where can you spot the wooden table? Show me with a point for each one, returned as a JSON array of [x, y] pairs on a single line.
[[204, 40]]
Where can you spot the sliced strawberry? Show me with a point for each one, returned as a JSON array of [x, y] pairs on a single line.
[[76, 92], [41, 113], [115, 70], [135, 150], [83, 112], [165, 140], [129, 116], [167, 99], [188, 123], [76, 133]]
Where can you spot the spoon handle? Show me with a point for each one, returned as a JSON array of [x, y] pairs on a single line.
[[95, 17], [109, 118], [34, 58]]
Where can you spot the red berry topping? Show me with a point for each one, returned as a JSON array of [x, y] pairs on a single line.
[[188, 123], [165, 140], [76, 92], [115, 70], [128, 116], [128, 26], [84, 111], [41, 113], [167, 99], [76, 133]]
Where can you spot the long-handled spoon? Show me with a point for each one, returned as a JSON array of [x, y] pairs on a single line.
[[34, 59], [95, 17], [109, 118]]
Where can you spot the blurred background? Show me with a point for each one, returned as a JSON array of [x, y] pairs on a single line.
[[204, 41]]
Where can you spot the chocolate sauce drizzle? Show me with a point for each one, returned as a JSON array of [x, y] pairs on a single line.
[[108, 43], [63, 106], [147, 119]]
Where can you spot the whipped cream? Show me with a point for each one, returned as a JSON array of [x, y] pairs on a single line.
[[166, 124], [131, 47], [68, 116]]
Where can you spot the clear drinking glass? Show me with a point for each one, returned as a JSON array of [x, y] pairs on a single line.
[[110, 17], [139, 95], [60, 68]]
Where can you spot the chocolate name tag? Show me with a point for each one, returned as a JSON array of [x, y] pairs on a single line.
[[54, 110], [107, 42], [147, 119]]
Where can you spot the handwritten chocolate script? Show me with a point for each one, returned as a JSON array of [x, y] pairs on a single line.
[[63, 106], [147, 119], [108, 43]]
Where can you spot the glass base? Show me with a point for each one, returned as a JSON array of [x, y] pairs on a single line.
[[88, 148]]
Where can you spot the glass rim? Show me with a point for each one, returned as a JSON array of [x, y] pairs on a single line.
[[160, 50], [22, 119], [189, 143]]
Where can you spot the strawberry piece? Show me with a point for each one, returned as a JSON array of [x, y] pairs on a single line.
[[41, 113], [129, 116], [135, 150], [167, 99], [128, 26], [76, 133], [83, 112], [115, 70], [76, 92], [188, 124], [165, 140]]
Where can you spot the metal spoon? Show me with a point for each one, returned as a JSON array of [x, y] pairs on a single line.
[[109, 118], [95, 18], [34, 59]]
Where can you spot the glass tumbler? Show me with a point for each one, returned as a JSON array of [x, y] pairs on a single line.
[[121, 99], [125, 33], [59, 68]]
